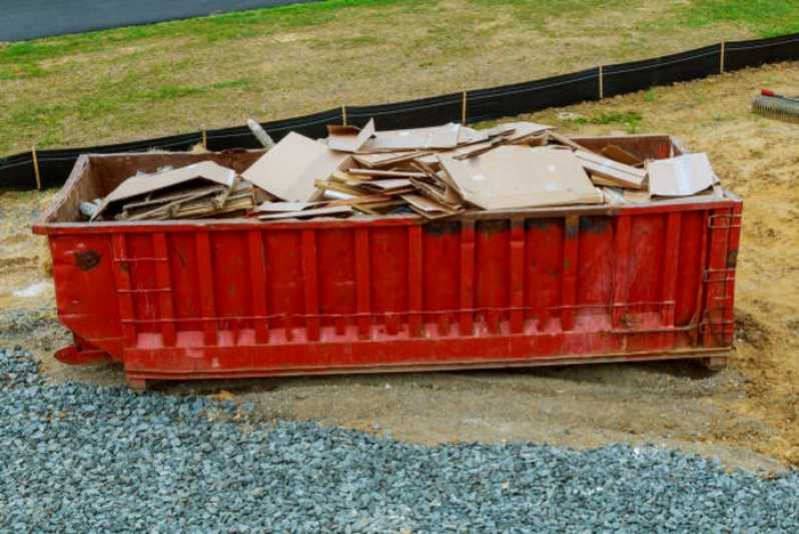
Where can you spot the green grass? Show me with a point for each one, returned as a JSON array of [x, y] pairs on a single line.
[[768, 18], [160, 79], [212, 29], [630, 119]]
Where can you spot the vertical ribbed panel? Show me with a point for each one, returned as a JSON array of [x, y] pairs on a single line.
[[122, 280], [715, 277], [621, 286], [258, 293], [671, 261], [363, 285], [731, 263], [310, 284], [517, 271], [571, 236], [165, 305], [415, 281], [467, 279], [206, 282]]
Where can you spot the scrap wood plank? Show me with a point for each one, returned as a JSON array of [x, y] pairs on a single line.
[[605, 171]]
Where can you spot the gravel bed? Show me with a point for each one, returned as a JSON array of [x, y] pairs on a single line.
[[84, 458]]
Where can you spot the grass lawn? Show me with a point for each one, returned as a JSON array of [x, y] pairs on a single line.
[[145, 81]]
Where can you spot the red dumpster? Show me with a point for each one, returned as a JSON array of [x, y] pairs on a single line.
[[240, 298]]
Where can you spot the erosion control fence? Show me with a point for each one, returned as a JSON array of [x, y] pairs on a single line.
[[50, 168]]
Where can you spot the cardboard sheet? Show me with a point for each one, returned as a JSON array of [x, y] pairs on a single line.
[[349, 138], [613, 172], [518, 177], [445, 136], [680, 176], [149, 183], [427, 207], [289, 170]]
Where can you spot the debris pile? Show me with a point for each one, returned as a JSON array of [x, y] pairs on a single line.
[[431, 172], [200, 190]]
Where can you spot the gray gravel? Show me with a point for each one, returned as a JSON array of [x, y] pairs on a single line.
[[84, 458]]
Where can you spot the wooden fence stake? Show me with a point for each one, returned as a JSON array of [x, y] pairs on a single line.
[[601, 82], [344, 115], [463, 110], [721, 59], [36, 169], [205, 139]]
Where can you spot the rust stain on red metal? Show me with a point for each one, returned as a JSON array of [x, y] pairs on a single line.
[[87, 260]]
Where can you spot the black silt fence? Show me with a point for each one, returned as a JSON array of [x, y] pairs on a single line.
[[18, 171]]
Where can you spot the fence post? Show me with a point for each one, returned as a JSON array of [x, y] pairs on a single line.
[[204, 138], [601, 82], [344, 115], [463, 110], [36, 173], [721, 58]]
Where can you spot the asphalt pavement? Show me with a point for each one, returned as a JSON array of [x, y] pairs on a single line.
[[31, 19]]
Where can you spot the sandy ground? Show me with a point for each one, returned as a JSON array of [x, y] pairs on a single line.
[[746, 415]]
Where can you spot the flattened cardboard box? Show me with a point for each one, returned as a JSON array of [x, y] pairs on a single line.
[[149, 183], [518, 177], [680, 176], [289, 170]]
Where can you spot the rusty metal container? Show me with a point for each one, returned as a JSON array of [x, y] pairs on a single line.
[[238, 298]]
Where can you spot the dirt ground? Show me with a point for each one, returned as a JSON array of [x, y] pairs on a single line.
[[746, 415]]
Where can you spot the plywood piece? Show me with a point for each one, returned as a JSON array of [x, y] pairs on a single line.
[[289, 170], [517, 177], [309, 213], [611, 172], [680, 176]]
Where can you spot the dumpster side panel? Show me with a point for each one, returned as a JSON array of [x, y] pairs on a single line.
[[255, 300]]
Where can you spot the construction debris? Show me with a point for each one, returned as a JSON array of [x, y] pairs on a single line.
[[681, 176], [430, 172], [200, 190]]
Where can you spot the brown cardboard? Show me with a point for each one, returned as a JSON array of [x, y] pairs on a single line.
[[518, 177], [149, 183], [445, 136], [612, 172], [427, 207], [349, 138], [680, 176], [143, 184], [288, 170]]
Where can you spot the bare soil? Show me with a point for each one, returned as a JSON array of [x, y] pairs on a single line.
[[746, 415]]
